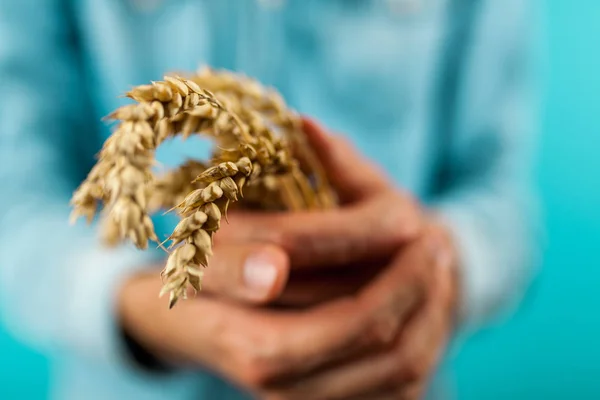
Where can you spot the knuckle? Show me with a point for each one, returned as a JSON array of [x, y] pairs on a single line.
[[266, 229], [412, 372], [403, 221], [285, 239], [383, 330], [254, 376], [408, 370], [258, 359], [303, 248], [392, 380], [254, 371], [338, 251]]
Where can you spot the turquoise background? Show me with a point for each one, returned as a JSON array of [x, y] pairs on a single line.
[[549, 349]]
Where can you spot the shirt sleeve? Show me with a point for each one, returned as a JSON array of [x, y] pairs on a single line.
[[485, 194], [57, 285]]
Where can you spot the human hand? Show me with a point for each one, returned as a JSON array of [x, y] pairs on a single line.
[[381, 341], [374, 220], [411, 348], [373, 344], [256, 347], [338, 252]]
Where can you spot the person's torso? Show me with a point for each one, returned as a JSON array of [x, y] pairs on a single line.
[[364, 68]]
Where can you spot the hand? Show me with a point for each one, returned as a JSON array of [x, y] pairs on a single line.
[[378, 234], [381, 341], [373, 344], [375, 220], [258, 347], [402, 368]]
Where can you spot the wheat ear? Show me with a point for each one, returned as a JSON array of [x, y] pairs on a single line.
[[249, 152]]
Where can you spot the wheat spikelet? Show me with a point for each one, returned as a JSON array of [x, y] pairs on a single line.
[[269, 105], [258, 145]]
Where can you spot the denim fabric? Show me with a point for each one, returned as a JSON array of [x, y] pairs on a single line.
[[440, 93]]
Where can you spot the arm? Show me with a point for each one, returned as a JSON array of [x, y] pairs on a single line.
[[485, 196], [57, 284]]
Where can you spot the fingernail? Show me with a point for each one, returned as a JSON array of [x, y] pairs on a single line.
[[259, 273]]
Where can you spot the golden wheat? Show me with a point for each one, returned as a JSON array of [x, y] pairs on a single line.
[[259, 145]]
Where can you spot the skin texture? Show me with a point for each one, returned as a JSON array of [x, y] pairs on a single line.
[[352, 303]]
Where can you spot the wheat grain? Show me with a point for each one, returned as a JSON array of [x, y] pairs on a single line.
[[257, 140]]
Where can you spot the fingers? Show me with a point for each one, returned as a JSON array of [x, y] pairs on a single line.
[[262, 347], [357, 380], [416, 338], [423, 341], [281, 346], [313, 291], [351, 174], [165, 333], [368, 379], [308, 288], [344, 328], [422, 344], [257, 347], [399, 289], [250, 272], [328, 238], [292, 343], [398, 373]]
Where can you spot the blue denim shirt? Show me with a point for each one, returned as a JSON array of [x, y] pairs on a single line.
[[438, 92]]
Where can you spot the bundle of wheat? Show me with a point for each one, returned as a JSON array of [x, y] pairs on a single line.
[[259, 146]]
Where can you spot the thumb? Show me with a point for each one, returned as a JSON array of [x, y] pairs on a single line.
[[353, 176], [248, 272]]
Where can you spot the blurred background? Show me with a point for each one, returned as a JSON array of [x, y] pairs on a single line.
[[549, 349]]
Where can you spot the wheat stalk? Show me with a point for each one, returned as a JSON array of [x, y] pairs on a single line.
[[259, 145]]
